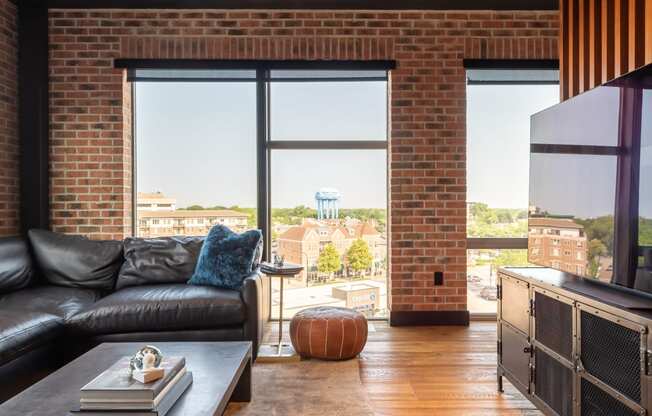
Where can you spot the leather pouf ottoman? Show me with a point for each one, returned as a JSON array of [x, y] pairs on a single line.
[[328, 333]]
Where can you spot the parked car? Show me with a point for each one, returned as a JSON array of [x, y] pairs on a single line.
[[489, 293]]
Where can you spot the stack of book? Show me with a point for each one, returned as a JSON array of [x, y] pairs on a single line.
[[115, 390]]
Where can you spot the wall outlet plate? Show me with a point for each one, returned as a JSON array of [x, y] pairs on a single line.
[[439, 278]]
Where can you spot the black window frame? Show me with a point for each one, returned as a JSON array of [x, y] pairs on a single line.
[[504, 243], [264, 142]]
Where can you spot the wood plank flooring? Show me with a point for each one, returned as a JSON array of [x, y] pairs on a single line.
[[443, 371]]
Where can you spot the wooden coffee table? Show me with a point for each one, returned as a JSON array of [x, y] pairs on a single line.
[[221, 372]]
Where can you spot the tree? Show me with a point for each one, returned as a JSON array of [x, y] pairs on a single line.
[[329, 260], [511, 258], [358, 256], [595, 251]]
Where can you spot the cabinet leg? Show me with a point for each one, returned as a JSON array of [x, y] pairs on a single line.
[[500, 383]]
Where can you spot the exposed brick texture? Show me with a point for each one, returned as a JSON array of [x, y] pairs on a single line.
[[90, 151], [9, 149]]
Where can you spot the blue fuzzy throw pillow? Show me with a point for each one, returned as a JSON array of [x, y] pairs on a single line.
[[227, 258]]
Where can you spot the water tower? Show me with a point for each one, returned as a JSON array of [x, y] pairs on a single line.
[[328, 203]]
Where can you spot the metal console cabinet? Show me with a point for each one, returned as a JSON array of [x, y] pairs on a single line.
[[572, 346]]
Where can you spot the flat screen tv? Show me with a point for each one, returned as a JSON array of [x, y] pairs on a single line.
[[590, 208]]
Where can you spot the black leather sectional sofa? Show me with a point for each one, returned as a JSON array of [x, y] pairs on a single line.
[[61, 295]]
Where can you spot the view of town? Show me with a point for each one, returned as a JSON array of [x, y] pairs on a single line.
[[343, 251], [580, 246]]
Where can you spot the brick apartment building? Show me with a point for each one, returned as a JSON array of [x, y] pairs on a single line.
[[157, 216], [302, 244], [558, 243]]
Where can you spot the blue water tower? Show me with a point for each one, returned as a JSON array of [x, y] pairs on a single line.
[[328, 203]]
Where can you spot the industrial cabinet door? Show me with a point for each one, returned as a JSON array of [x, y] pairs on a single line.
[[515, 303], [515, 355]]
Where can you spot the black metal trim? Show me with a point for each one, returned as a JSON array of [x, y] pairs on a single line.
[[180, 79], [627, 188], [576, 149], [309, 5], [326, 144], [134, 165], [518, 243], [33, 116], [511, 63], [263, 205], [523, 82], [344, 65], [330, 79]]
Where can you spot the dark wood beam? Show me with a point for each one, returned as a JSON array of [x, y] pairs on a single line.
[[309, 4], [33, 119]]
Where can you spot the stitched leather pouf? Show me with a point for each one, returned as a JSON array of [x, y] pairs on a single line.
[[328, 333]]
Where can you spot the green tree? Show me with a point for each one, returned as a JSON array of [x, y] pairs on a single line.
[[359, 256], [329, 260], [596, 250], [511, 258]]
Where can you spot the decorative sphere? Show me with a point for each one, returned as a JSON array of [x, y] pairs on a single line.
[[146, 358]]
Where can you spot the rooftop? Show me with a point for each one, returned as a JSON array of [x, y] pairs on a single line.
[[199, 213], [555, 223]]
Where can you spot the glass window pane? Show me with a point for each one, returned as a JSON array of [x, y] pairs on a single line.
[[196, 157], [330, 74], [590, 118], [645, 185], [572, 213], [328, 110], [512, 75], [329, 214], [498, 149], [204, 74], [482, 266]]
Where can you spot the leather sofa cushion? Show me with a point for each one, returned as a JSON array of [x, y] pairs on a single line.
[[161, 308], [158, 260], [54, 300], [76, 261], [16, 269], [22, 331]]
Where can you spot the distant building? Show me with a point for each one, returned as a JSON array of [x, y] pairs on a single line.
[[558, 243], [155, 202], [302, 244], [158, 217]]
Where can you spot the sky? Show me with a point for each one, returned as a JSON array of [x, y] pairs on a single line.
[[498, 141], [645, 195], [196, 142]]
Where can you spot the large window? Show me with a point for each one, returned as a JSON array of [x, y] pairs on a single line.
[[329, 188], [195, 156], [499, 105], [301, 154]]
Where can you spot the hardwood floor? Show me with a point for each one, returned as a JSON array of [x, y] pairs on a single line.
[[435, 371]]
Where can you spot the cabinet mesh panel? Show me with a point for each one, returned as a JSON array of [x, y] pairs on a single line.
[[595, 402], [553, 383], [612, 353], [554, 325]]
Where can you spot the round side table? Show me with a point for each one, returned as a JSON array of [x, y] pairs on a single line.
[[279, 352]]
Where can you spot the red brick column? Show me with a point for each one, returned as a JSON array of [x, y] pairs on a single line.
[[89, 106]]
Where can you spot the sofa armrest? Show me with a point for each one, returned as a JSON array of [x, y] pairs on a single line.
[[256, 295]]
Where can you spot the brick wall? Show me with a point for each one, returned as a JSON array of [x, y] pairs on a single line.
[[90, 151], [9, 152]]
